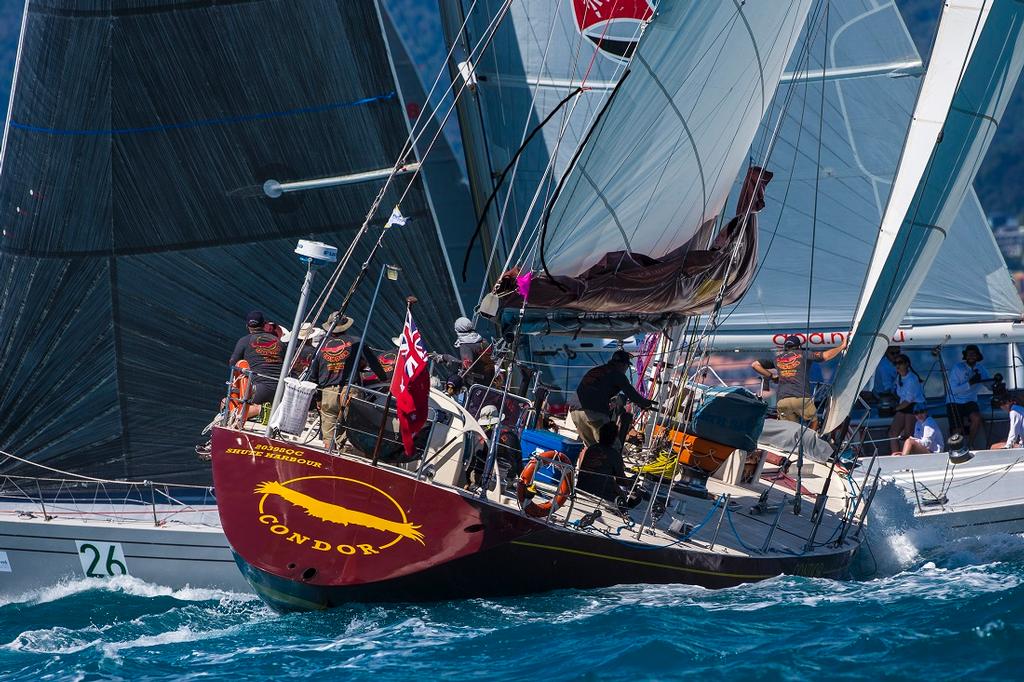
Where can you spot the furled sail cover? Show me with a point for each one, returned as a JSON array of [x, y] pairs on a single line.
[[661, 160], [135, 235], [872, 75], [973, 70]]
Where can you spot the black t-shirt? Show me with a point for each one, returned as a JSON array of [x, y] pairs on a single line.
[[603, 459], [265, 354], [601, 384], [793, 367], [333, 364], [303, 359]]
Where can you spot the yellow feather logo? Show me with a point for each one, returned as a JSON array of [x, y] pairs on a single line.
[[333, 513]]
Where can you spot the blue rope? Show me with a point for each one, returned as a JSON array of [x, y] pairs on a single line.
[[208, 121], [728, 514]]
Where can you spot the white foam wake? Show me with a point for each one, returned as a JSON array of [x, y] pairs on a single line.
[[124, 584]]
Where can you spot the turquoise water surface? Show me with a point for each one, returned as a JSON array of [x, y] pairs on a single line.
[[955, 610]]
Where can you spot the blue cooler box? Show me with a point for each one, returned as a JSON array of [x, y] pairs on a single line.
[[538, 440]]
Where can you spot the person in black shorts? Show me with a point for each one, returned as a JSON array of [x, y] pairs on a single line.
[[965, 381]]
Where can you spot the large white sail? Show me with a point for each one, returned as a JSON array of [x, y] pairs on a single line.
[[975, 63], [662, 160], [872, 73]]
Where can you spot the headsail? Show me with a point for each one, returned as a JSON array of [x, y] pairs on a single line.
[[135, 228], [974, 67], [872, 74], [658, 165]]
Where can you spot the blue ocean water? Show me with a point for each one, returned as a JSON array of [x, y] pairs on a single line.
[[955, 610]]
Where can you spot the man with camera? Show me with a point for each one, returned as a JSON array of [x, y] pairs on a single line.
[[965, 380]]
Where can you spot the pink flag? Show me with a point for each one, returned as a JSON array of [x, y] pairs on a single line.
[[523, 284]]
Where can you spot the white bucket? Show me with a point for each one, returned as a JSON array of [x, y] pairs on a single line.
[[291, 414]]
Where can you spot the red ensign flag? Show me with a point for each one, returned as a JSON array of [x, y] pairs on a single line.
[[410, 383]]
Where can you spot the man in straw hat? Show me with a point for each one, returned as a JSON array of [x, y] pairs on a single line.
[[309, 338], [331, 368], [965, 380]]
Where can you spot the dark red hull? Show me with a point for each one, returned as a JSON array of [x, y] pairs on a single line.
[[323, 531]]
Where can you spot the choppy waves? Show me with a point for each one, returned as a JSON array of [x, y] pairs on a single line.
[[953, 610]]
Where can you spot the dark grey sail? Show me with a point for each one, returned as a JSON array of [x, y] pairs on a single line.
[[135, 231]]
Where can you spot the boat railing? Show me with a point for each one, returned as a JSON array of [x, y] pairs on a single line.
[[242, 401], [61, 494]]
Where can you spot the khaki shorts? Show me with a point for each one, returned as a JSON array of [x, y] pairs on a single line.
[[795, 409]]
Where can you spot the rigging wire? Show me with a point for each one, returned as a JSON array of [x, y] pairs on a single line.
[[501, 178], [322, 300]]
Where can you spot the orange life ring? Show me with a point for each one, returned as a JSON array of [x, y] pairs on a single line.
[[531, 508], [239, 390]]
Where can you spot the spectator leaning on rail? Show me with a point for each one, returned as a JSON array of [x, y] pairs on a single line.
[[792, 365], [596, 390]]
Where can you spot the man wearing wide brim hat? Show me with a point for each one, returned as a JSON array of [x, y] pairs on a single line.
[[965, 381], [596, 390], [331, 368], [309, 337]]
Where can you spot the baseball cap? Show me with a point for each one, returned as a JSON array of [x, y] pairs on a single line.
[[920, 407], [792, 341], [622, 356], [255, 318]]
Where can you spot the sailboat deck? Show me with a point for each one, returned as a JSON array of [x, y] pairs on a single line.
[[698, 523]]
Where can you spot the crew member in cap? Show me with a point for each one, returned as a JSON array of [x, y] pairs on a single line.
[[508, 453], [595, 391], [792, 366], [965, 380], [331, 368], [927, 435], [264, 352]]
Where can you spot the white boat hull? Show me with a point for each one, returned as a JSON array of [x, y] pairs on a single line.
[[36, 553], [982, 496]]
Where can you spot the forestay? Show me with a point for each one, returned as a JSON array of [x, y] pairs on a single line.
[[974, 67], [534, 54]]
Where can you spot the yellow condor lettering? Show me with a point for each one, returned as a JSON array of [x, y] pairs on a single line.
[[333, 514]]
